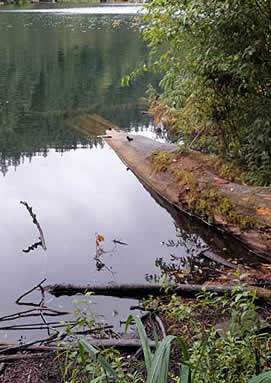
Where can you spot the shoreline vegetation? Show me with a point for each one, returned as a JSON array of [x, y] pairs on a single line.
[[208, 338]]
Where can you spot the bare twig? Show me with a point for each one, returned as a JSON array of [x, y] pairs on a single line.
[[36, 222], [16, 348], [196, 137], [40, 304], [40, 348], [116, 241], [141, 308], [33, 312], [37, 326], [32, 247]]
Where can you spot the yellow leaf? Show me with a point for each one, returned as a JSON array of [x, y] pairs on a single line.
[[100, 238], [180, 275]]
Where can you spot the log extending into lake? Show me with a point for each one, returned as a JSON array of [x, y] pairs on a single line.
[[240, 210], [143, 290]]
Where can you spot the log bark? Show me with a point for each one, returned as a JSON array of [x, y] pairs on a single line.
[[143, 290]]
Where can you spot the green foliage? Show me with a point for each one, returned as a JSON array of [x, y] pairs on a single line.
[[157, 364], [219, 84], [83, 362], [237, 355], [84, 346], [264, 377]]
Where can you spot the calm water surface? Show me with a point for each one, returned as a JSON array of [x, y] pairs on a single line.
[[57, 67]]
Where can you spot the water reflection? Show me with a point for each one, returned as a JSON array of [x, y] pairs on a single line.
[[102, 9], [54, 67]]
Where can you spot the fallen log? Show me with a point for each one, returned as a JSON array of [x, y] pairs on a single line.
[[143, 290], [250, 205], [128, 344]]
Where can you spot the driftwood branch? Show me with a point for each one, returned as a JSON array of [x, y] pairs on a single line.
[[143, 290], [36, 223], [38, 286], [32, 313], [16, 348]]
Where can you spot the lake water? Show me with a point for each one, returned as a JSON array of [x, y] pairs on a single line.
[[57, 67]]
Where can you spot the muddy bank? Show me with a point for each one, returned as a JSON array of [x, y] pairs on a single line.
[[185, 181]]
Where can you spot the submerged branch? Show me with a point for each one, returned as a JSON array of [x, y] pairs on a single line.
[[41, 303], [36, 222]]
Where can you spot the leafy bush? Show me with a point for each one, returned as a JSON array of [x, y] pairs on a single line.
[[216, 60], [204, 355]]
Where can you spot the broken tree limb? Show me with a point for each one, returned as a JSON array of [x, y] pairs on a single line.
[[216, 258], [33, 313], [17, 348], [122, 343], [35, 349], [36, 222], [143, 290]]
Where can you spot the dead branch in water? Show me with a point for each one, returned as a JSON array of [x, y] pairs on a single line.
[[36, 222], [16, 348], [32, 313], [32, 247], [143, 290], [38, 286]]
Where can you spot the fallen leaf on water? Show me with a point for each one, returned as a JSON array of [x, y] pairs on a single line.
[[100, 238]]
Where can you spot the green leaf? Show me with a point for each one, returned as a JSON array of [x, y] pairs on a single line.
[[264, 377], [185, 373], [159, 369], [94, 353], [143, 338], [183, 348]]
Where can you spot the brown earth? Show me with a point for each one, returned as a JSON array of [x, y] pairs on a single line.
[[43, 369]]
